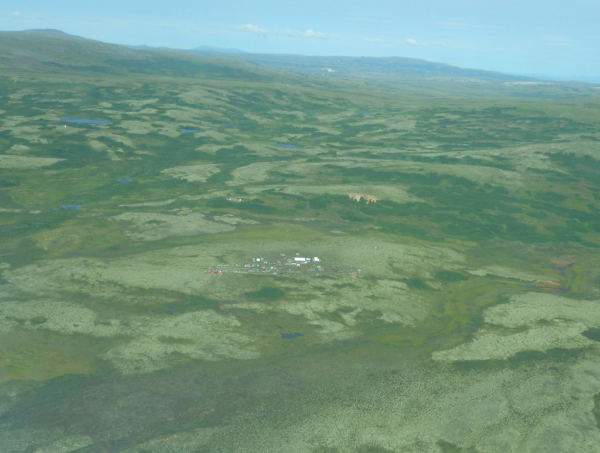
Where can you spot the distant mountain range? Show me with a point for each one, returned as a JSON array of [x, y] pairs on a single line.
[[53, 51], [208, 50], [336, 66]]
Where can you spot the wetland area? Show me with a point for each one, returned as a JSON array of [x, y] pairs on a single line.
[[153, 297]]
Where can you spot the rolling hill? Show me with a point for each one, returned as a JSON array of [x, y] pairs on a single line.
[[55, 51], [341, 66]]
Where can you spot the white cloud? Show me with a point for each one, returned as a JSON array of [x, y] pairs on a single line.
[[309, 33], [16, 14], [306, 34], [413, 42], [254, 29]]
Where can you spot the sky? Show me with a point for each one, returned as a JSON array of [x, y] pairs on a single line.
[[556, 39]]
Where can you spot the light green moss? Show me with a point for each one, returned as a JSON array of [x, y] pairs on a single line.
[[26, 162], [192, 173]]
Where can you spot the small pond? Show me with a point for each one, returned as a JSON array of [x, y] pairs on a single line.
[[291, 336], [85, 121]]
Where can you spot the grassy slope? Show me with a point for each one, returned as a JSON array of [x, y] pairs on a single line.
[[57, 52]]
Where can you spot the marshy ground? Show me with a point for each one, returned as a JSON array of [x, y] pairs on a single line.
[[473, 325]]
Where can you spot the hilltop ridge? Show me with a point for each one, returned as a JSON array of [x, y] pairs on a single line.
[[56, 52], [53, 51]]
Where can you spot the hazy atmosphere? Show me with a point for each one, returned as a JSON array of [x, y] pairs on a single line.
[[550, 38]]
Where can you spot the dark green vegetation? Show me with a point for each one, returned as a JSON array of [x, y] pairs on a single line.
[[458, 308], [266, 293]]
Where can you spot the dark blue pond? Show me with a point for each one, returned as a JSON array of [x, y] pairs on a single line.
[[84, 121], [291, 336], [125, 181], [71, 207], [189, 131], [287, 145]]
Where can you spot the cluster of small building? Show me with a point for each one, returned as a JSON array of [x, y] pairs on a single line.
[[302, 260], [293, 261], [282, 265]]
